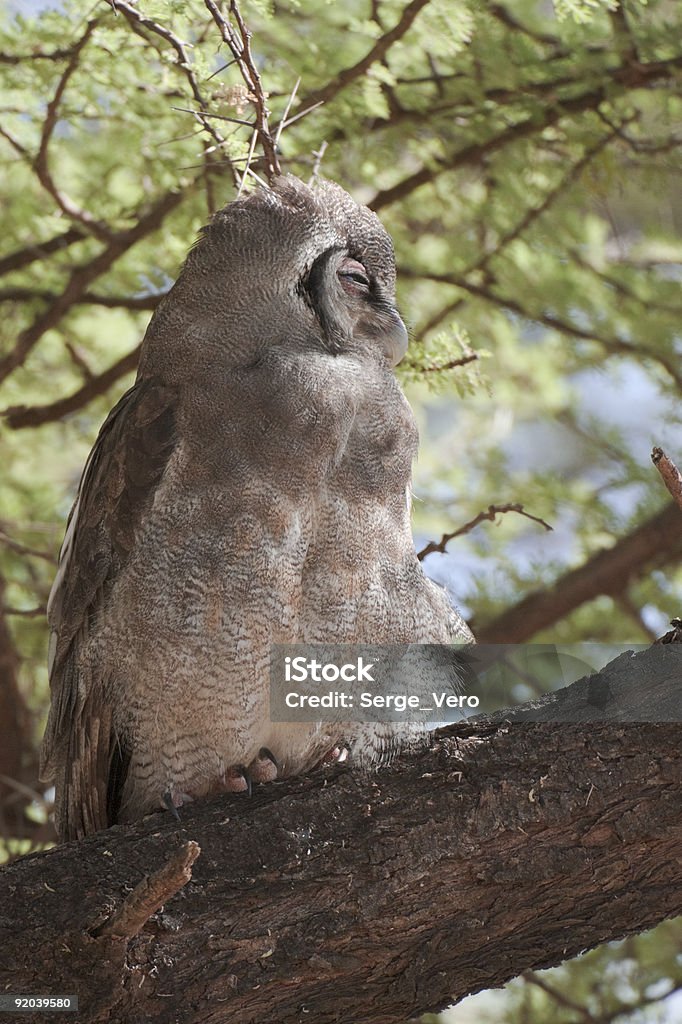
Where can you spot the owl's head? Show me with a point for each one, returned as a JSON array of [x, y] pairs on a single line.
[[290, 265]]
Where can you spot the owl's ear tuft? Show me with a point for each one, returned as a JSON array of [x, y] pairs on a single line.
[[321, 291]]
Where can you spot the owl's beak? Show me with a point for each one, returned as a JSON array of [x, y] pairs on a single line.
[[394, 340]]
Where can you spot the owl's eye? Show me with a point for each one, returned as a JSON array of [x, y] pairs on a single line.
[[353, 276]]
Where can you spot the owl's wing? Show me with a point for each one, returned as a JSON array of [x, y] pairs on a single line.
[[81, 751]]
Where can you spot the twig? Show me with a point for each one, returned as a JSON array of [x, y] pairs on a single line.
[[41, 164], [240, 47], [151, 893], [620, 79], [452, 364], [319, 156], [285, 115], [558, 997], [493, 510], [615, 345], [672, 478]]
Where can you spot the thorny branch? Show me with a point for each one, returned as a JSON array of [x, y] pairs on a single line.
[[239, 45], [377, 53], [621, 78], [614, 345], [490, 514], [40, 250], [140, 21]]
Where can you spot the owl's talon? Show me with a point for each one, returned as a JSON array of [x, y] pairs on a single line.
[[170, 805], [265, 754]]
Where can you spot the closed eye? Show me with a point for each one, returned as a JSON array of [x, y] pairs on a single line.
[[353, 275]]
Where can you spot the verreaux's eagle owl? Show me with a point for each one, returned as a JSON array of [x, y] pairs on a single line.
[[251, 487]]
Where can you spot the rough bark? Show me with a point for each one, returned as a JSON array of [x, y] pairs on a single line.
[[345, 897]]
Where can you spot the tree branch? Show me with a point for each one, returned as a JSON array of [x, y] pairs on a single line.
[[627, 76], [240, 48], [490, 514], [139, 21], [41, 164], [84, 275], [133, 302], [378, 52], [672, 478], [340, 897], [39, 250], [18, 416], [657, 541]]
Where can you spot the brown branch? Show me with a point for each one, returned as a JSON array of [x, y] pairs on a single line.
[[21, 549], [21, 58], [658, 541], [378, 52], [452, 364], [41, 164], [39, 250], [184, 64], [240, 48], [558, 996], [132, 302], [614, 345], [627, 77], [260, 934], [492, 512], [150, 894], [19, 416], [672, 478], [84, 275]]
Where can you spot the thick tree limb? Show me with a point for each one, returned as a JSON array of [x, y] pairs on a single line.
[[657, 541], [341, 897]]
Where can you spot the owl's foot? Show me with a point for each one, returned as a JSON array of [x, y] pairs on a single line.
[[240, 779], [266, 767], [172, 800], [237, 780]]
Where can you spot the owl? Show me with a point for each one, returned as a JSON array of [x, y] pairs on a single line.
[[251, 488]]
